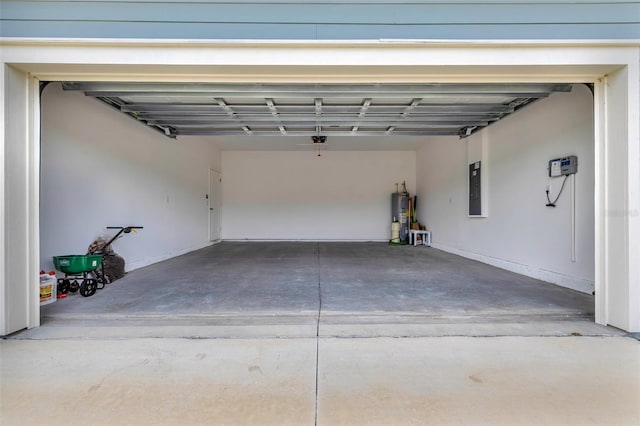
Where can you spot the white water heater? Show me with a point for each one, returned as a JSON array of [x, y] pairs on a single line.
[[400, 212]]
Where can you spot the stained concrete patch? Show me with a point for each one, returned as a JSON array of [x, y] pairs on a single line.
[[158, 381], [461, 380]]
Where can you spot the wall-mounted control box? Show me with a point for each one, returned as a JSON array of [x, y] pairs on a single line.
[[563, 166], [475, 199]]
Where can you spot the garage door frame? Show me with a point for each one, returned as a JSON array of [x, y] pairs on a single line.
[[613, 68]]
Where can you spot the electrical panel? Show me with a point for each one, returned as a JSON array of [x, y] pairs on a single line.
[[475, 200], [563, 166]]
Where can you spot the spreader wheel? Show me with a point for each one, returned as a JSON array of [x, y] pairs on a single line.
[[63, 286], [88, 287]]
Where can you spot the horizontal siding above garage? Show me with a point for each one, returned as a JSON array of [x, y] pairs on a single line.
[[327, 20]]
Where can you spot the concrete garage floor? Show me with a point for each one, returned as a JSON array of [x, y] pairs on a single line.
[[277, 289], [405, 336]]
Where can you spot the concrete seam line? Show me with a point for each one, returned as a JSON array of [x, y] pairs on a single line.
[[315, 422]]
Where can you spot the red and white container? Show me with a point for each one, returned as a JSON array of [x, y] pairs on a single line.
[[48, 288]]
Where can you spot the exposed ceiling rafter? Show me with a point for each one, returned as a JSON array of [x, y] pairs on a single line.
[[176, 109]]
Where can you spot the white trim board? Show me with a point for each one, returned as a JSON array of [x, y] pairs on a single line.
[[573, 283]]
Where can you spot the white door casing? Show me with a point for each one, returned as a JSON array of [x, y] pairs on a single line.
[[215, 204]]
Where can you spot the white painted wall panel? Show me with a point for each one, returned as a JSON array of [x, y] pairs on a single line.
[[295, 195], [520, 233], [101, 168]]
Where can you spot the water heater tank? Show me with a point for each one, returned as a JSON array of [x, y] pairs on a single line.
[[400, 211]]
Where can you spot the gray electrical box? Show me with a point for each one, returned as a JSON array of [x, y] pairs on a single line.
[[475, 200], [563, 166]]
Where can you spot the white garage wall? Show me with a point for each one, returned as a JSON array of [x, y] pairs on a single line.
[[520, 233], [101, 168], [295, 195]]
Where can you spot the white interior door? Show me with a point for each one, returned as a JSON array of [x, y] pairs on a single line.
[[215, 204]]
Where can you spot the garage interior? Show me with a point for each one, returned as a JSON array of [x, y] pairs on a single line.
[[301, 223]]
